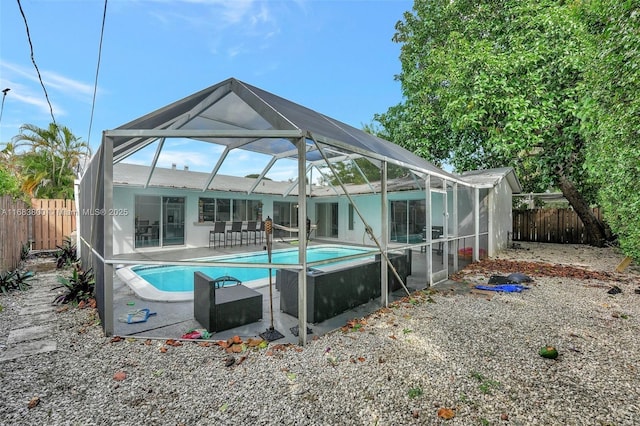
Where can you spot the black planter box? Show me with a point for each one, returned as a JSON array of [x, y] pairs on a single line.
[[332, 292]]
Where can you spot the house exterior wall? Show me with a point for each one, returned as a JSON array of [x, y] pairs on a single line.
[[195, 234], [500, 216]]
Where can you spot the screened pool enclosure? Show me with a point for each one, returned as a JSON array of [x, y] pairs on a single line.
[[344, 186]]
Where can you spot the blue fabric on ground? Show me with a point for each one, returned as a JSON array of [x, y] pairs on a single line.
[[509, 288]]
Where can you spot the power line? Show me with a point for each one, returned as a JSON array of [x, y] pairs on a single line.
[[95, 86], [33, 59]]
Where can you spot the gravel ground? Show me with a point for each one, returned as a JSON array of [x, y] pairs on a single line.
[[476, 355]]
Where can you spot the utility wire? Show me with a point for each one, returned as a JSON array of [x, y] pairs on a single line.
[[33, 59], [95, 85]]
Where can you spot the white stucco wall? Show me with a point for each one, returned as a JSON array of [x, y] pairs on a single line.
[[500, 216], [195, 234]]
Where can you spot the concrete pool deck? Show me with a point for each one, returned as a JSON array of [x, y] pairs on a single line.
[[174, 319]]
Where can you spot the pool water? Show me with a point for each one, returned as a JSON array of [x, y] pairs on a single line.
[[180, 278]]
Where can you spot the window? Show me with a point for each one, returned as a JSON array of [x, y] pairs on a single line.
[[214, 210], [350, 217], [247, 209]]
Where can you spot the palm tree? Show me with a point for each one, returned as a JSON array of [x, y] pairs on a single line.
[[52, 160]]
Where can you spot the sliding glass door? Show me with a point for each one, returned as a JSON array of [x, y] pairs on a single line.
[[327, 215], [159, 221]]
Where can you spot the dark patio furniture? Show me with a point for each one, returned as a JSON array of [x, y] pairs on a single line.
[[217, 234], [234, 233], [223, 281], [223, 308], [251, 229], [332, 292]]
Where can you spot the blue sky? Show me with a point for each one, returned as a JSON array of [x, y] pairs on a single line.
[[335, 57]]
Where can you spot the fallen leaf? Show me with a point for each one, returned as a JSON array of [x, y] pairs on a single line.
[[361, 359], [224, 407], [34, 401], [241, 360], [173, 342], [236, 339], [393, 337], [252, 343], [119, 376], [163, 349], [116, 339], [446, 413], [236, 349], [204, 344], [148, 342]]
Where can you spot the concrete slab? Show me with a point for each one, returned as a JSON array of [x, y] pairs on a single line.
[[39, 300], [35, 319], [28, 348], [32, 310], [31, 333]]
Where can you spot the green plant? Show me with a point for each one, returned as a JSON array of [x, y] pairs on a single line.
[[66, 254], [24, 251], [415, 392], [486, 385], [6, 281], [14, 280], [20, 280], [79, 286]]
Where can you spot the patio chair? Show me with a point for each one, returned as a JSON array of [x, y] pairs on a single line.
[[217, 234], [260, 231], [223, 308], [236, 230], [221, 281], [251, 228]]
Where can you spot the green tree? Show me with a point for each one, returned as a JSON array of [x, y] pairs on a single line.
[[9, 183], [611, 114], [495, 83], [51, 161]]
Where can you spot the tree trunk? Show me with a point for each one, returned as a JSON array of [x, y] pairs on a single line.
[[592, 225]]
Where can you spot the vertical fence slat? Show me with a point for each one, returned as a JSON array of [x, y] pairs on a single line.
[[13, 231], [551, 226], [53, 221]]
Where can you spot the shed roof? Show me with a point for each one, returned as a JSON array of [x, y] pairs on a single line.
[[491, 177]]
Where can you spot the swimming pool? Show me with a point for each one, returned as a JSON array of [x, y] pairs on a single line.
[[175, 283]]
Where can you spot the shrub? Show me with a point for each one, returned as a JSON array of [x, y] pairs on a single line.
[[79, 286], [66, 254], [15, 280]]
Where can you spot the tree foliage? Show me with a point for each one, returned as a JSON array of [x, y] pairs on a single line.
[[45, 160], [494, 83], [611, 114]]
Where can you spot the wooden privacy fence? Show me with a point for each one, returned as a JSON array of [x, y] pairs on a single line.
[[550, 226], [52, 220], [14, 232]]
